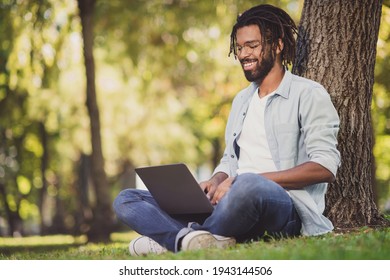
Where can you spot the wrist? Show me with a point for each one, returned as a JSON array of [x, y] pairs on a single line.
[[218, 178]]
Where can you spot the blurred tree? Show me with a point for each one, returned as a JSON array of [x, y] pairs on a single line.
[[22, 155], [31, 109], [102, 224], [337, 47]]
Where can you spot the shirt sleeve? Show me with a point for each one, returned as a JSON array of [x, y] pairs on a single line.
[[320, 125]]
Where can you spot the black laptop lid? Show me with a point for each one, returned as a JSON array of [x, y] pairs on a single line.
[[175, 189]]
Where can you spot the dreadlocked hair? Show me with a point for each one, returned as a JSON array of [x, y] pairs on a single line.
[[274, 24]]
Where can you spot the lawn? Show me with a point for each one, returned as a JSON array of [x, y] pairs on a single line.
[[363, 244]]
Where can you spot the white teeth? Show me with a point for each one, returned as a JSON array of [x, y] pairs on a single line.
[[248, 64]]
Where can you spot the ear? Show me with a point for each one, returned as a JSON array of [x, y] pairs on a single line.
[[279, 47]]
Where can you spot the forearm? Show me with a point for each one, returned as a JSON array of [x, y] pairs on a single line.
[[300, 176], [218, 178]]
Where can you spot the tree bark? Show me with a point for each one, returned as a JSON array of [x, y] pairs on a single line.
[[102, 212], [337, 47]]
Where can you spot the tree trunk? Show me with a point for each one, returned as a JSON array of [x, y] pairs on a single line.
[[103, 215], [9, 214], [44, 165], [84, 215], [337, 48]]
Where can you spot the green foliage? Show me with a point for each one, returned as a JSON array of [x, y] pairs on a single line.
[[31, 39]]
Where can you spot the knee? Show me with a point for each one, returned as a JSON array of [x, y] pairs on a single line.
[[118, 201], [123, 197]]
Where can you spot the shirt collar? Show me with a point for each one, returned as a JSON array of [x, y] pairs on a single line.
[[284, 87]]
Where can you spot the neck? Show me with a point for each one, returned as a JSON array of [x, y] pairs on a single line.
[[272, 80]]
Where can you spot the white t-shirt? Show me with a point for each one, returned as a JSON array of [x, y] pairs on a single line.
[[255, 155]]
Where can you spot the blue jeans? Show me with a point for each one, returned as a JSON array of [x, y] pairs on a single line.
[[252, 207]]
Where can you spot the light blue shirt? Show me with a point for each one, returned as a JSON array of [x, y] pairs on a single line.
[[301, 125]]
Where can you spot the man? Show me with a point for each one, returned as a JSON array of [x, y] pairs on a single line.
[[281, 151]]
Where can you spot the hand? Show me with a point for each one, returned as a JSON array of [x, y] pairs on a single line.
[[221, 190], [209, 188]]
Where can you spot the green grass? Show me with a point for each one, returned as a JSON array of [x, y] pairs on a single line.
[[365, 244]]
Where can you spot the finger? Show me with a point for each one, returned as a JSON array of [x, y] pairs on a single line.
[[203, 186], [211, 191], [217, 196]]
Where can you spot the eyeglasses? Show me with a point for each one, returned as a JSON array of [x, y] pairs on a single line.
[[249, 47]]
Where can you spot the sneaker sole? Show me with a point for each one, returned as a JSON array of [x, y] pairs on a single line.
[[197, 240]]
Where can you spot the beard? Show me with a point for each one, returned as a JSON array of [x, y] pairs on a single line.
[[262, 70]]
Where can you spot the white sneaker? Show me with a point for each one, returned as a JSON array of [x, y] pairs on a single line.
[[144, 245], [201, 239]]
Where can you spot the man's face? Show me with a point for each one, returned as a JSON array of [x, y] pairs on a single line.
[[255, 61]]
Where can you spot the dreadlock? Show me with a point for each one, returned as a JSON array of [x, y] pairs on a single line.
[[274, 24]]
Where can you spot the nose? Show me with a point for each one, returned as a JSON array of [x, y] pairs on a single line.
[[242, 54]]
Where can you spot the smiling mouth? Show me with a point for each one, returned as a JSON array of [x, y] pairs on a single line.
[[248, 64]]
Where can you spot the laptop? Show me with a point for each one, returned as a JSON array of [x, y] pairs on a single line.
[[175, 190]]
